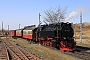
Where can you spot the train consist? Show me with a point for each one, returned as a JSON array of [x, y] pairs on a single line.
[[59, 35]]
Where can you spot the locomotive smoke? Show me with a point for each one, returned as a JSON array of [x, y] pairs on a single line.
[[74, 13], [71, 15]]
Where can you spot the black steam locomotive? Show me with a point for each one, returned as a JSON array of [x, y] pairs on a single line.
[[59, 35]]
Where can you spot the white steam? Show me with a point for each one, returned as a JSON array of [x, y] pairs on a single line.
[[74, 13], [71, 15]]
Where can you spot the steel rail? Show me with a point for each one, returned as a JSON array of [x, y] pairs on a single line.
[[18, 51], [3, 51], [30, 54], [27, 53]]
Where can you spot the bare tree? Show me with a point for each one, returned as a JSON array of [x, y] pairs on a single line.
[[55, 15]]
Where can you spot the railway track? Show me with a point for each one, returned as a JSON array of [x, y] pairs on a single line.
[[3, 51], [81, 53], [18, 53], [84, 52]]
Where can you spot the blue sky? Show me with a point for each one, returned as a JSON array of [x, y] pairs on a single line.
[[25, 12]]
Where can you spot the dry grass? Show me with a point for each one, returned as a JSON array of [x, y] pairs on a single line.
[[85, 42], [85, 33], [47, 53]]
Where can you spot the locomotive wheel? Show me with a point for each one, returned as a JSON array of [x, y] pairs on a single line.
[[57, 46], [53, 45]]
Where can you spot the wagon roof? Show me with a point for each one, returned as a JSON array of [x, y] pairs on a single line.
[[29, 27], [19, 29]]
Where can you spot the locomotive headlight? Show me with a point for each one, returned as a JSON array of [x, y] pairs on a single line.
[[64, 38]]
